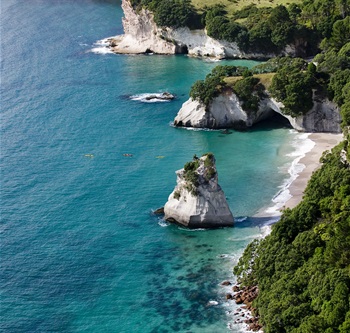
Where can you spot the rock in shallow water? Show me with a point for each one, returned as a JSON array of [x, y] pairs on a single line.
[[198, 200]]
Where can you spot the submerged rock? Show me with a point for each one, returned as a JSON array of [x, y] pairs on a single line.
[[197, 200], [162, 96], [159, 211]]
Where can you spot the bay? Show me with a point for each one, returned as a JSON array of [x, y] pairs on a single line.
[[81, 250]]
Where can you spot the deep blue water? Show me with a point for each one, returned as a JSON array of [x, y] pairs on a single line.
[[80, 248]]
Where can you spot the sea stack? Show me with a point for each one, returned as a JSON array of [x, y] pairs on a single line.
[[198, 200]]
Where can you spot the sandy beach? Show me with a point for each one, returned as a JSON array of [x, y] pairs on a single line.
[[323, 142]]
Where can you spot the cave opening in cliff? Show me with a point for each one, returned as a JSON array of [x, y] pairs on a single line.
[[278, 120], [181, 49]]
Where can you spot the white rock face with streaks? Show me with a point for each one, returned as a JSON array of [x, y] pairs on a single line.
[[200, 205], [324, 116], [225, 111], [141, 34]]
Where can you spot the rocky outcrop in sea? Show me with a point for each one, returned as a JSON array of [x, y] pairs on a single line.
[[198, 200], [226, 111]]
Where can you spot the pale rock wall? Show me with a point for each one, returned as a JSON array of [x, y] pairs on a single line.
[[141, 34], [323, 117], [207, 209], [225, 111]]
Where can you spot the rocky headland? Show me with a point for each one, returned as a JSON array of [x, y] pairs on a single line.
[[226, 111], [198, 200], [142, 36]]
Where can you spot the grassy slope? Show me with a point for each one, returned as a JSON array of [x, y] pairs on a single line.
[[265, 79], [234, 5]]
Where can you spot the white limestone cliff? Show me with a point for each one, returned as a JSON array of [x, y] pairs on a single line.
[[142, 35], [225, 111], [324, 116], [199, 205]]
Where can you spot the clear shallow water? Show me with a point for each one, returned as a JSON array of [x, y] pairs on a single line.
[[80, 248]]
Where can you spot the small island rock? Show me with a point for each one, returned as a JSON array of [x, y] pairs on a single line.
[[165, 96], [197, 200]]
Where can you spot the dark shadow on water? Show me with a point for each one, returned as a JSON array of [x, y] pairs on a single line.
[[275, 122], [251, 222]]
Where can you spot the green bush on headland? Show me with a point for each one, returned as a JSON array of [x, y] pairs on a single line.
[[214, 84]]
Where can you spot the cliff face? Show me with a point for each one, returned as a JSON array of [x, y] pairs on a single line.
[[141, 35], [225, 111], [324, 116], [197, 200]]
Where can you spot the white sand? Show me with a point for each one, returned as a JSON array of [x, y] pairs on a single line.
[[323, 142]]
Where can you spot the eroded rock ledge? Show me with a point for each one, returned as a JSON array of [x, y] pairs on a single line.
[[198, 200], [225, 111]]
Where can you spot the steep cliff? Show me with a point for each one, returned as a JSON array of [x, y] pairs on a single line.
[[197, 200], [225, 111], [142, 35]]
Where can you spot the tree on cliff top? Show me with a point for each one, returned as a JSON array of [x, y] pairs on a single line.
[[171, 13]]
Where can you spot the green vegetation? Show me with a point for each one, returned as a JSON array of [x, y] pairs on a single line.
[[177, 195], [289, 80], [249, 90], [303, 267], [214, 84], [264, 26], [270, 28], [231, 6], [171, 13], [265, 29], [292, 85], [209, 164], [240, 80], [191, 175]]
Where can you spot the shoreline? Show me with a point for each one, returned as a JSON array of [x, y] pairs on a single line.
[[306, 164], [306, 161], [310, 163]]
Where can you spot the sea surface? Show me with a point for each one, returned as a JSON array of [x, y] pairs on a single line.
[[85, 161]]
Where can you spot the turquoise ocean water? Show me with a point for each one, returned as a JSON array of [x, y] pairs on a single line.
[[80, 248]]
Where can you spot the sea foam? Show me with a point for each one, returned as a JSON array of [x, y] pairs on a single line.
[[144, 97], [101, 47], [302, 145]]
